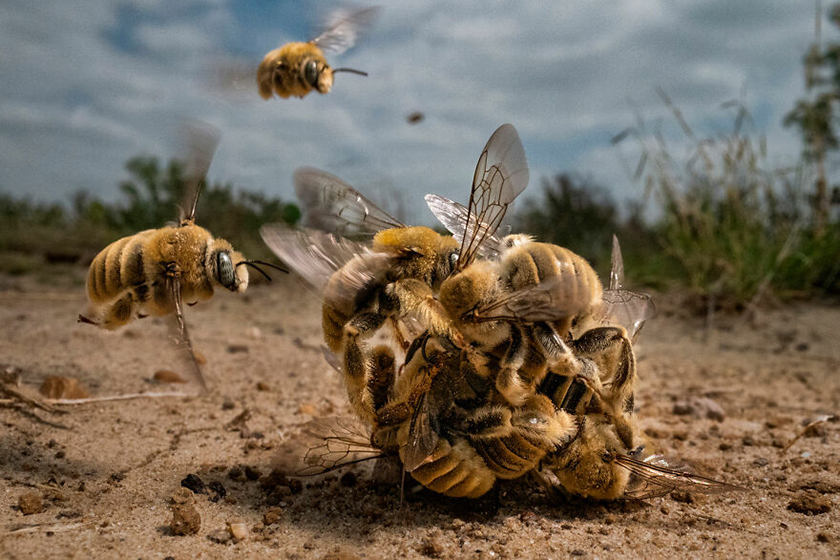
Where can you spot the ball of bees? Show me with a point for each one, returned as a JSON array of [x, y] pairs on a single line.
[[509, 358], [296, 69]]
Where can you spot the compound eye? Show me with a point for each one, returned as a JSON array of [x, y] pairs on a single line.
[[224, 270], [453, 259], [310, 73]]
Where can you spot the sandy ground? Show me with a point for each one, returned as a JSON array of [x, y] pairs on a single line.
[[106, 472]]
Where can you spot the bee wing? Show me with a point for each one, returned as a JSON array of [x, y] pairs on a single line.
[[332, 205], [201, 141], [317, 255], [422, 438], [344, 28], [628, 309], [182, 336], [500, 175], [654, 476], [339, 442], [551, 300], [616, 266], [454, 217]]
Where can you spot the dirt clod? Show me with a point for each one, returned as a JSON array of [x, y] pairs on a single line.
[[433, 545], [218, 490], [182, 496], [194, 483], [272, 515], [263, 386], [30, 503], [810, 502], [167, 376], [57, 387], [185, 520]]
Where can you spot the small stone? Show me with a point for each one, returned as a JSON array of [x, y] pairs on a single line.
[[218, 490], [237, 474], [263, 386], [194, 483], [252, 473], [238, 530], [725, 446], [307, 408], [220, 536], [199, 357], [167, 376], [810, 502], [30, 503], [237, 349], [272, 515], [824, 538], [761, 462], [182, 496], [185, 520], [57, 387], [228, 404]]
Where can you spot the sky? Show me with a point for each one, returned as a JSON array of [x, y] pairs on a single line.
[[88, 84]]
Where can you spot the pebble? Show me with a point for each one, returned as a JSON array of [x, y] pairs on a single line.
[[185, 520], [193, 482], [167, 376], [238, 530], [30, 503], [810, 502], [272, 515]]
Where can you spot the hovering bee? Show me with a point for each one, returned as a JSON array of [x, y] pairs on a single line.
[[155, 271], [295, 69], [398, 275]]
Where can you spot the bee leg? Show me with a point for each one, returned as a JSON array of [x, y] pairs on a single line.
[[120, 312], [509, 382], [417, 297], [356, 364], [396, 412], [612, 351], [82, 319], [395, 325], [381, 379]]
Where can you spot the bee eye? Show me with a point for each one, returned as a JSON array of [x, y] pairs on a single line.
[[310, 73], [453, 259], [224, 270]]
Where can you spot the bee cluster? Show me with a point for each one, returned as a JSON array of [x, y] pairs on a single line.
[[503, 356]]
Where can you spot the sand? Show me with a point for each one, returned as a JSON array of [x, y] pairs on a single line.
[[725, 400]]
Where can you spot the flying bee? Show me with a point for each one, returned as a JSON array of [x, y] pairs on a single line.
[[154, 272], [399, 274], [296, 69]]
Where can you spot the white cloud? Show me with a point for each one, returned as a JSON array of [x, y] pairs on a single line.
[[564, 73]]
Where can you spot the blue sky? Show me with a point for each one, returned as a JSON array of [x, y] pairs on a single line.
[[89, 83]]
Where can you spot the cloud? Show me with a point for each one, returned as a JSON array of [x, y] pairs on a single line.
[[91, 83]]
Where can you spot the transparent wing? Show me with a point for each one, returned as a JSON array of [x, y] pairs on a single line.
[[553, 299], [654, 476], [344, 28], [338, 443], [454, 217], [201, 140], [616, 266], [422, 439], [316, 256], [500, 175], [629, 309], [332, 205]]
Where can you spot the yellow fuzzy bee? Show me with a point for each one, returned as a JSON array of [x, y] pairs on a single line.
[[154, 272], [296, 69]]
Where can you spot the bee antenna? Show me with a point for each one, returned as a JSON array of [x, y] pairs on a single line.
[[253, 264], [351, 70]]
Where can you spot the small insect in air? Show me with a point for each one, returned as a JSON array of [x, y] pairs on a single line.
[[154, 272], [296, 69]]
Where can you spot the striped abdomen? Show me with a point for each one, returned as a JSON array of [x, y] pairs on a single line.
[[117, 268], [532, 263], [455, 470]]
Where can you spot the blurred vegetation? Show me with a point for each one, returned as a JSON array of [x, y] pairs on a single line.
[[32, 233]]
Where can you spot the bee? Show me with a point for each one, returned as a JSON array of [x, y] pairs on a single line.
[[154, 272], [400, 272], [296, 69]]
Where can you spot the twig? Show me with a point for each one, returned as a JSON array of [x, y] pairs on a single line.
[[49, 528], [802, 432], [151, 395], [14, 394]]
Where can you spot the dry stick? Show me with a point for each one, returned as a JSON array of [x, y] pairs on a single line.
[[118, 398], [17, 395], [49, 528], [810, 425]]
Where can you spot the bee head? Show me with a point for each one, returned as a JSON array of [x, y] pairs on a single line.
[[317, 74], [227, 272]]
